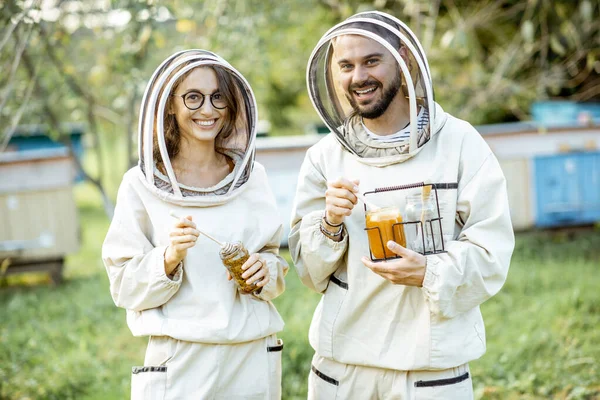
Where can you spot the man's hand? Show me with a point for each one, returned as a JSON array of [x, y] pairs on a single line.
[[340, 199], [408, 270]]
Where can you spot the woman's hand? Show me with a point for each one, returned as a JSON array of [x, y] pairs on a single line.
[[183, 236], [255, 271]]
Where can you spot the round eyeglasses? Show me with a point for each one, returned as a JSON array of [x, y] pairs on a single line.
[[194, 100]]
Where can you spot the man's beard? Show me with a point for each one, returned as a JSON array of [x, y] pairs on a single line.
[[379, 108]]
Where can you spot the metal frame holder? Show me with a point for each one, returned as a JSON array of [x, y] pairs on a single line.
[[399, 226]]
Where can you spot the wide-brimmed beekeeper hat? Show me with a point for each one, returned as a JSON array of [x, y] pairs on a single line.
[[240, 142], [329, 98]]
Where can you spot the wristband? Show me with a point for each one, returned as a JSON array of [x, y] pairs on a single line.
[[329, 223], [330, 235]]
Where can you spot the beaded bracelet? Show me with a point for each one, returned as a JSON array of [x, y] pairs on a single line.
[[330, 235]]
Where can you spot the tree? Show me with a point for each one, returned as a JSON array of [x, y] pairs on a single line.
[[491, 59], [89, 61]]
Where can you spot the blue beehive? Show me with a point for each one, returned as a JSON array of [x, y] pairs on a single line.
[[565, 113], [35, 137], [567, 189]]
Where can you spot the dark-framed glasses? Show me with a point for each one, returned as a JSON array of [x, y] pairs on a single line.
[[194, 100]]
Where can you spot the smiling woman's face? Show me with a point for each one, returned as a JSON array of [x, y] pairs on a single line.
[[204, 123]]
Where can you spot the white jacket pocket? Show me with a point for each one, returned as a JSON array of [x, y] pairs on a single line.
[[148, 383]]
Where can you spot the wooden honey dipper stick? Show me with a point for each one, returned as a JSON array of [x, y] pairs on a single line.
[[226, 245], [370, 206], [424, 198]]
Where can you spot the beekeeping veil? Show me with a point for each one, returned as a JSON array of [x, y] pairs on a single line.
[[329, 98], [239, 144]]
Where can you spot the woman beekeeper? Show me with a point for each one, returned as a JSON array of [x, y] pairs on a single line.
[[207, 339]]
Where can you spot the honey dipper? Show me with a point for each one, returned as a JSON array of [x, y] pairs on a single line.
[[370, 206], [424, 198], [226, 246]]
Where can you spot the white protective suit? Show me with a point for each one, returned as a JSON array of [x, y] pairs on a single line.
[[363, 319], [198, 319]]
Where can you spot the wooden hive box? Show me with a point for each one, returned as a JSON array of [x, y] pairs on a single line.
[[38, 215]]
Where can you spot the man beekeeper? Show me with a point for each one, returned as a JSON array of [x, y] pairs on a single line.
[[405, 326]]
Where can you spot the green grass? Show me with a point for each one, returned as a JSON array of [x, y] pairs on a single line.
[[71, 342], [542, 327]]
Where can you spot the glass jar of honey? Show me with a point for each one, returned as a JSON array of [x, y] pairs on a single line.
[[383, 225], [233, 256]]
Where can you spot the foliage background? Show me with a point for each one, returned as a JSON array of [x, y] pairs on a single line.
[[88, 61]]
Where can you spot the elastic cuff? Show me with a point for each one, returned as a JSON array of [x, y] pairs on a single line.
[[267, 292], [263, 291], [311, 227], [160, 272], [431, 273], [258, 295], [178, 273]]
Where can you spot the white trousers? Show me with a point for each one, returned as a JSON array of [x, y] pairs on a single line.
[[175, 369], [330, 380]]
